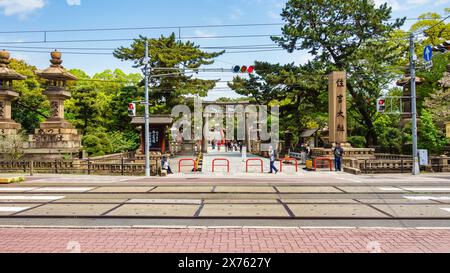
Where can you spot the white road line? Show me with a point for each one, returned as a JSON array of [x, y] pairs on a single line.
[[12, 209], [350, 179], [426, 189], [389, 189], [6, 197], [165, 201], [428, 198], [68, 189], [16, 189], [446, 209]]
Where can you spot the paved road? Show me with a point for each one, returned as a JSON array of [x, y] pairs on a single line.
[[325, 196], [263, 213]]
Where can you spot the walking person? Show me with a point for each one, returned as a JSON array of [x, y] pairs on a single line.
[[338, 153], [272, 160]]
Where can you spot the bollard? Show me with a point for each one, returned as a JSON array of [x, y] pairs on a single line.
[[31, 168], [122, 166]]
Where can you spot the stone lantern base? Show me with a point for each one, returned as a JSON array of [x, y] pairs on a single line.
[[55, 140]]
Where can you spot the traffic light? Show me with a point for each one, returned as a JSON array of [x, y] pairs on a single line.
[[381, 105], [243, 69], [442, 48], [132, 109]]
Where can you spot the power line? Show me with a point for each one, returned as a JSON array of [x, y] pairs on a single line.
[[164, 27]]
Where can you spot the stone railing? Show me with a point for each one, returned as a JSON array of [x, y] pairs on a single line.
[[123, 167]]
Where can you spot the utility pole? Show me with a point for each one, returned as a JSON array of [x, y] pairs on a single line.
[[412, 60], [147, 115]]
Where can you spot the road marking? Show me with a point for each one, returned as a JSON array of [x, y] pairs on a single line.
[[350, 179], [426, 189], [6, 197], [68, 189], [16, 189], [390, 189], [13, 209], [165, 201], [428, 198], [446, 209]]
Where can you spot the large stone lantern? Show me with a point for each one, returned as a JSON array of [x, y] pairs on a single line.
[[56, 138], [7, 125]]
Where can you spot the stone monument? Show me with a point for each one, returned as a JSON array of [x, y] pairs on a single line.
[[337, 108], [56, 138], [7, 125], [337, 125]]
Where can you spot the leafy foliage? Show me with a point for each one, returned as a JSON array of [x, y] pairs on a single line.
[[168, 57]]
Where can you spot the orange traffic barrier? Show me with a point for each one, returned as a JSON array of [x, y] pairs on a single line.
[[288, 159], [214, 165], [261, 164], [329, 160], [187, 160]]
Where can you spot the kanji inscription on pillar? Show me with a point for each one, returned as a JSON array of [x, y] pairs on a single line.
[[337, 102]]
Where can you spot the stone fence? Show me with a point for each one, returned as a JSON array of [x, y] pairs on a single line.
[[111, 166]]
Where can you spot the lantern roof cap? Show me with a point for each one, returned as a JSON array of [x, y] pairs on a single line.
[[7, 73], [56, 71]]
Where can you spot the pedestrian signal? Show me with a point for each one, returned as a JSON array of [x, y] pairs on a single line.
[[132, 109], [381, 105]]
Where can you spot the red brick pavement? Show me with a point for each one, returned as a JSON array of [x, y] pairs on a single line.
[[223, 240]]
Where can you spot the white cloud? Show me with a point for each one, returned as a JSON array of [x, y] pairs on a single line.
[[409, 4], [236, 14], [21, 8], [201, 33], [73, 2]]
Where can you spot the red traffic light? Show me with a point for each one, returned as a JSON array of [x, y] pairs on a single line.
[[131, 106], [243, 69]]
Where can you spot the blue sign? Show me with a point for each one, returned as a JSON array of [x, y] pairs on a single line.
[[428, 53]]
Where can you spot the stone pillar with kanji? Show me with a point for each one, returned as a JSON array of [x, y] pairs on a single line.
[[337, 107], [7, 125], [56, 138]]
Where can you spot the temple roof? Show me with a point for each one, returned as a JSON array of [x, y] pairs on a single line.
[[56, 71], [5, 72], [154, 120]]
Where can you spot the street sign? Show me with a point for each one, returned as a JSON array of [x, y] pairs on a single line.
[[423, 157], [428, 53]]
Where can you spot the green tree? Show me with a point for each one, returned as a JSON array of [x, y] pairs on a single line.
[[345, 35], [430, 137], [85, 109], [31, 107], [169, 56]]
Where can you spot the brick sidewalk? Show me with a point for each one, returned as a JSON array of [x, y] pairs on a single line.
[[228, 240]]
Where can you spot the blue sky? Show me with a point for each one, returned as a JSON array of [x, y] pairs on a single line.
[[76, 14]]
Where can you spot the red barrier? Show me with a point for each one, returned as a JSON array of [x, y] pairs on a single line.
[[329, 160], [261, 164], [287, 159], [187, 159], [221, 159]]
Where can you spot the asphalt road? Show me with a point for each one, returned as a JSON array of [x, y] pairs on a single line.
[[314, 199]]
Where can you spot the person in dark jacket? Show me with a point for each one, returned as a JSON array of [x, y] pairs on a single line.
[[338, 153], [272, 161]]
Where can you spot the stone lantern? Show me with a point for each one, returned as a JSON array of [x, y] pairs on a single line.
[[56, 138], [7, 95]]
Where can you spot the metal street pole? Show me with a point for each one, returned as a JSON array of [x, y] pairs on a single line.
[[412, 59], [147, 115]]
